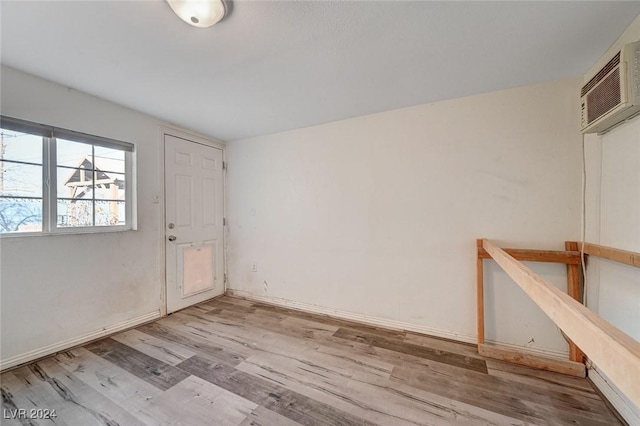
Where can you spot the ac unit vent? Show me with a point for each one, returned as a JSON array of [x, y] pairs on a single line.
[[604, 71], [612, 94], [605, 97]]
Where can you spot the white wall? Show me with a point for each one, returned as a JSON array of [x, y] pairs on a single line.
[[613, 179], [378, 215], [60, 287], [613, 219], [613, 212]]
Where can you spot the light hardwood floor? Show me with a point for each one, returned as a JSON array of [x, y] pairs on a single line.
[[233, 362]]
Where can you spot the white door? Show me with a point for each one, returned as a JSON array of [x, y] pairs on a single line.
[[194, 222]]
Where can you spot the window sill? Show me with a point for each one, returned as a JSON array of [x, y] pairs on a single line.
[[68, 231]]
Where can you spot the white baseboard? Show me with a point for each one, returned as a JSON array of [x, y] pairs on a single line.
[[383, 322], [76, 341], [627, 409]]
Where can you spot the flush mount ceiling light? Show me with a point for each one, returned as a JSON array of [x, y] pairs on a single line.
[[199, 13]]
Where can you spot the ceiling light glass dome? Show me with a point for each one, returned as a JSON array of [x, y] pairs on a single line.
[[199, 13]]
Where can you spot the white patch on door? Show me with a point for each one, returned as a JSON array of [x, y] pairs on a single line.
[[196, 267]]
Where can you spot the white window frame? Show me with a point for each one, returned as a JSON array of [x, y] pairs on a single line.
[[49, 178]]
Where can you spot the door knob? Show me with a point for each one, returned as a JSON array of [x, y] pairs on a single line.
[[172, 237]]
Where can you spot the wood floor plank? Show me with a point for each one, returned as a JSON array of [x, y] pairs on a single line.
[[266, 321], [26, 392], [152, 405], [202, 345], [282, 343], [401, 360], [240, 337], [395, 359], [114, 383], [162, 350], [539, 394], [234, 361], [411, 349], [80, 393], [202, 308], [195, 401], [256, 340], [361, 397], [327, 320], [149, 369], [223, 303], [344, 348], [534, 376], [311, 328], [534, 409], [237, 301], [197, 327], [277, 398], [298, 328], [558, 398], [74, 402], [402, 404], [355, 362], [263, 417], [266, 342], [460, 413], [15, 397], [460, 348]]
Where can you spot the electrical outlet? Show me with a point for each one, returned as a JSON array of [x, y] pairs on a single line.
[[254, 267]]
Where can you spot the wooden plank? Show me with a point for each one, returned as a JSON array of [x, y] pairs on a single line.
[[263, 417], [630, 258], [529, 406], [47, 385], [223, 304], [19, 394], [274, 397], [296, 368], [573, 290], [514, 356], [615, 353], [192, 401], [362, 397], [573, 274], [258, 337], [480, 292], [550, 400], [528, 255], [283, 324], [162, 350], [208, 348], [547, 404], [195, 401], [245, 338], [459, 413], [440, 343], [114, 383], [414, 350], [149, 369], [530, 376]]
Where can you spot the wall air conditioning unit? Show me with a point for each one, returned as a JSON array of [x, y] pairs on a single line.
[[612, 95]]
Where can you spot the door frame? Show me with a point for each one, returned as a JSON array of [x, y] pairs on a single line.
[[161, 197]]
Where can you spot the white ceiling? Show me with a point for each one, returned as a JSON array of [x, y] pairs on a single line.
[[272, 65]]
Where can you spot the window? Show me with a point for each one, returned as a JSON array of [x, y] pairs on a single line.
[[20, 182], [56, 181]]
